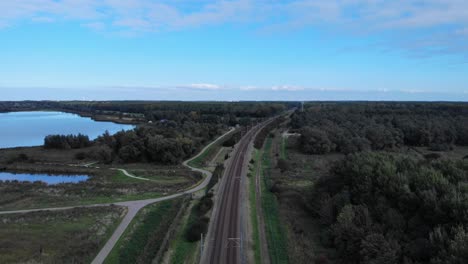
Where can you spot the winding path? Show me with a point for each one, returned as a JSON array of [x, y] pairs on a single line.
[[134, 206]]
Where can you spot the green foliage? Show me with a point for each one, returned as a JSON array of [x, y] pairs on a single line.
[[199, 222], [66, 142], [389, 208], [315, 141], [217, 174]]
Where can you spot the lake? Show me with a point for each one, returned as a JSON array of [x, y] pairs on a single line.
[[24, 129], [49, 179]]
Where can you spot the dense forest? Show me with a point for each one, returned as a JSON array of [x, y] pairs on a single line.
[[353, 127], [388, 208], [384, 202]]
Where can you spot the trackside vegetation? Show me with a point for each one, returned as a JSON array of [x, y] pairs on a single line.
[[277, 241], [386, 183], [253, 205]]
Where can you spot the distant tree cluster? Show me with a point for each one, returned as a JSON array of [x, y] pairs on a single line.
[[354, 127], [162, 143], [388, 208], [67, 142]]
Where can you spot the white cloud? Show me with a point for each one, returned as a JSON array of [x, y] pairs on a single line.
[[203, 86], [249, 88], [97, 26], [413, 91], [287, 88]]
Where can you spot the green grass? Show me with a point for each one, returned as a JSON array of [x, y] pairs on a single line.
[[253, 208], [161, 179], [276, 236], [184, 249], [142, 239]]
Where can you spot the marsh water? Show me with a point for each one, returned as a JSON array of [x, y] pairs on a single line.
[[24, 129], [49, 179]]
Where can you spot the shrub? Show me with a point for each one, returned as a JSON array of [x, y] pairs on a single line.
[[80, 155]]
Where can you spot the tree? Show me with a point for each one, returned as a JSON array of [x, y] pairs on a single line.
[[375, 249], [315, 141]]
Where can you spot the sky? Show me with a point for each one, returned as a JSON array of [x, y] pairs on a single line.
[[413, 50]]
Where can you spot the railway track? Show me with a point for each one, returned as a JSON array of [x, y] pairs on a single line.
[[225, 242]]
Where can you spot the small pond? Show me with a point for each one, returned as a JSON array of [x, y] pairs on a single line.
[[49, 179]]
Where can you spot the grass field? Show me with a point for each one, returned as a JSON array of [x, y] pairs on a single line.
[[277, 241], [69, 236], [166, 177], [143, 238]]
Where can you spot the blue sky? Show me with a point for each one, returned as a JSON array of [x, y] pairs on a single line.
[[234, 50]]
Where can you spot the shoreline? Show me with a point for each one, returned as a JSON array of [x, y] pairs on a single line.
[[95, 117]]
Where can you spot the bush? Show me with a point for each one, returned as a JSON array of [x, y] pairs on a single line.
[[284, 165], [196, 229]]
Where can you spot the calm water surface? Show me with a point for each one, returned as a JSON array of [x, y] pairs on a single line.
[[49, 179], [24, 129]]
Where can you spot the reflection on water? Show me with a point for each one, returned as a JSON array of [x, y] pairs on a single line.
[[49, 179], [23, 129]]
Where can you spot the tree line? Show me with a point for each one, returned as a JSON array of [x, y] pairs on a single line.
[[230, 113], [66, 141], [173, 131]]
